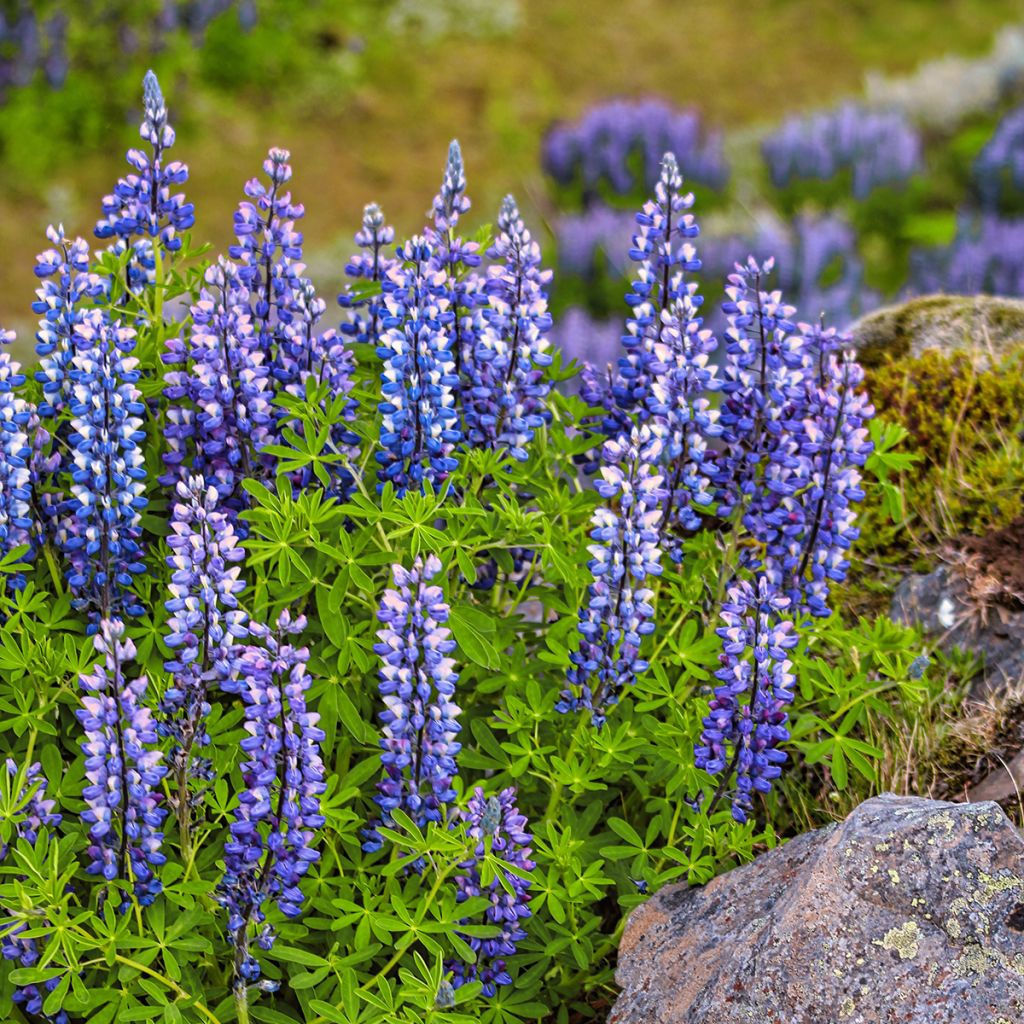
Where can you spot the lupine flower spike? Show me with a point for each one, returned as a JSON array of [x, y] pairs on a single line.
[[455, 257], [625, 554], [67, 287], [100, 529], [834, 444], [271, 844], [16, 418], [420, 427], [504, 402], [144, 205], [122, 765], [28, 811], [496, 818], [369, 267], [219, 391], [746, 720], [204, 622], [417, 683]]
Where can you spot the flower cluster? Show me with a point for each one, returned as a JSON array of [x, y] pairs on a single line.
[[833, 444], [205, 620], [504, 402], [595, 239], [67, 287], [32, 811], [599, 149], [417, 683], [454, 258], [144, 204], [268, 251], [123, 769], [987, 256], [498, 819], [760, 370], [369, 267], [746, 720], [999, 168], [420, 425], [219, 391], [100, 530], [876, 147], [16, 415], [625, 554], [271, 847]]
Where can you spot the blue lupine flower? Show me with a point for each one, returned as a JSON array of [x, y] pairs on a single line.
[[877, 147], [269, 251], [33, 811], [271, 844], [123, 769], [664, 255], [144, 205], [611, 138], [417, 682], [205, 620], [498, 819], [998, 170], [746, 720], [504, 402], [100, 529], [618, 613], [66, 288], [454, 258], [760, 375], [219, 393], [16, 416], [817, 524], [370, 266], [420, 426]]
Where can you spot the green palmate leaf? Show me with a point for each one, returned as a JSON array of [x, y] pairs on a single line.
[[474, 632]]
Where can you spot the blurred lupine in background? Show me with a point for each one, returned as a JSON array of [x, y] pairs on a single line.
[[619, 144], [999, 168], [874, 147], [238, 529]]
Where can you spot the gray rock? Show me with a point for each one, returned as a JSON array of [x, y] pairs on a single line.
[[985, 325], [909, 912], [940, 603]]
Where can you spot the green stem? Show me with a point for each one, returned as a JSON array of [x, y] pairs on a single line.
[[172, 986]]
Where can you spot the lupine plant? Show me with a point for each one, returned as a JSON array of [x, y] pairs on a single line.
[[356, 672]]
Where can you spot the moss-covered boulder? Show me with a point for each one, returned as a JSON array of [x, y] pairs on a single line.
[[984, 325]]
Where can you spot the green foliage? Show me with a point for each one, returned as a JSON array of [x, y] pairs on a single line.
[[958, 422]]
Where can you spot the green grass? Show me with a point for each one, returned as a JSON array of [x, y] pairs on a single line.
[[385, 138]]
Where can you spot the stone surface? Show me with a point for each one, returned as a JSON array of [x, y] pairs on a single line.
[[909, 912], [945, 604], [983, 324]]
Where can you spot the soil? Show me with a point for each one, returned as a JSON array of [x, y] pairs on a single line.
[[994, 564]]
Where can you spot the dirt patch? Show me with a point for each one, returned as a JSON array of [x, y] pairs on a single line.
[[994, 565]]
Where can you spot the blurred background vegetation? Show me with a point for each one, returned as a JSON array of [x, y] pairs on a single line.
[[367, 93]]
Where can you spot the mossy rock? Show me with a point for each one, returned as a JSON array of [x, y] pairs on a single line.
[[982, 324]]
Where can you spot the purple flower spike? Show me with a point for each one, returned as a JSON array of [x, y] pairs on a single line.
[[626, 552], [370, 266], [420, 427], [271, 844], [205, 620], [100, 527], [746, 720], [144, 205], [122, 766], [504, 402], [496, 818], [417, 682], [16, 419]]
